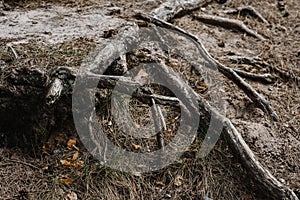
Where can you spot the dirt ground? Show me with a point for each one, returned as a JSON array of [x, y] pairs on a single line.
[[65, 170]]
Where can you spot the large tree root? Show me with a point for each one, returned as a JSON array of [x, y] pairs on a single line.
[[227, 23]]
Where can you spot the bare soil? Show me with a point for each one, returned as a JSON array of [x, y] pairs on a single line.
[[220, 175]]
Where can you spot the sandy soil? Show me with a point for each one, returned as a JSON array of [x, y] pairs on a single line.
[[39, 41]]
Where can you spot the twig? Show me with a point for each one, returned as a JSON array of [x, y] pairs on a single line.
[[158, 124], [13, 52], [227, 23], [264, 78], [162, 117], [211, 62], [248, 10], [173, 8]]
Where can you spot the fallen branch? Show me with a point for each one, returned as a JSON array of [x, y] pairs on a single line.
[[264, 78], [248, 10], [174, 8], [228, 72], [227, 23]]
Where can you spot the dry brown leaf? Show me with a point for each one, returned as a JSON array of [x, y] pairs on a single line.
[[71, 143], [75, 156], [66, 163], [66, 181], [160, 183], [78, 164], [136, 146]]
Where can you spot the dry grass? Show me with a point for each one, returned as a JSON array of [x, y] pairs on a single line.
[[219, 176]]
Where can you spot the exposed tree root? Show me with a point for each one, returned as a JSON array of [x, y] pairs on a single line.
[[245, 60], [174, 8], [228, 23], [248, 10], [261, 174], [259, 100], [264, 78], [287, 76]]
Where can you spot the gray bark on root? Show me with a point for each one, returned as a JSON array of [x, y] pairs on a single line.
[[228, 23], [172, 8], [248, 10]]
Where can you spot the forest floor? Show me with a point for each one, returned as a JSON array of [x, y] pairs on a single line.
[[65, 170]]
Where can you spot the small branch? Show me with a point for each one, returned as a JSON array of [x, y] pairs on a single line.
[[227, 23], [264, 78], [174, 8], [248, 10], [162, 117]]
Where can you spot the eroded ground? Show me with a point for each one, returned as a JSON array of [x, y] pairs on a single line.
[[218, 176]]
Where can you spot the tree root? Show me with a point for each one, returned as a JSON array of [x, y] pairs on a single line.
[[259, 100], [287, 76], [245, 60], [228, 23], [250, 161], [264, 78], [174, 8], [248, 10]]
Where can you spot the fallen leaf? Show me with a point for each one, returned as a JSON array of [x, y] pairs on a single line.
[[71, 143], [75, 156], [66, 181], [136, 146], [78, 164], [160, 183], [66, 163]]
